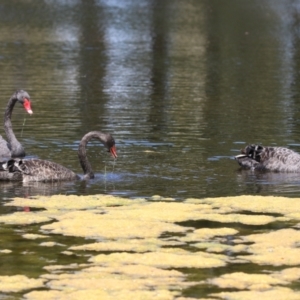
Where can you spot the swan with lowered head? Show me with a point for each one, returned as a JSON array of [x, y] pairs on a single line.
[[276, 159], [12, 147], [43, 170]]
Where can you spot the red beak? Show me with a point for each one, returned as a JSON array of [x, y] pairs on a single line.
[[113, 151], [27, 106]]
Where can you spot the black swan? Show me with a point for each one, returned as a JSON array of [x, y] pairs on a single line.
[[43, 170], [13, 148], [276, 159]]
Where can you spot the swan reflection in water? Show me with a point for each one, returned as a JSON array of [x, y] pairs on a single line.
[[10, 189], [268, 183], [102, 184]]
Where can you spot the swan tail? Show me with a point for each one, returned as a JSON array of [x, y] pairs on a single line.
[[13, 165]]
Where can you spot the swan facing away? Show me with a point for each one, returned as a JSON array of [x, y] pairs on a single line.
[[43, 170], [12, 147], [276, 159]]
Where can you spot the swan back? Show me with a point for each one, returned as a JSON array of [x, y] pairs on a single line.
[[277, 159], [37, 170]]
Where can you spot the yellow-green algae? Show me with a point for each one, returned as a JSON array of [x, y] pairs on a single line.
[[6, 251], [169, 258], [160, 198], [119, 281], [116, 225], [22, 218], [32, 236], [58, 268], [220, 247], [208, 233], [275, 248], [134, 245], [19, 283], [50, 244], [289, 207], [93, 225], [276, 293], [96, 294], [67, 252], [64, 202]]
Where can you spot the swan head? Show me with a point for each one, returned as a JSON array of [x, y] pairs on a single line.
[[113, 151], [24, 98], [110, 144]]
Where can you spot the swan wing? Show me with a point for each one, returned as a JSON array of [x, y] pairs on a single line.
[[38, 170]]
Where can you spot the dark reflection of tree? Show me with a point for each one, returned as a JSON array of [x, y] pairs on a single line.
[[92, 62], [159, 71], [294, 32], [243, 83]]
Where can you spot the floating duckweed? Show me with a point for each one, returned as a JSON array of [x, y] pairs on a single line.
[[32, 236], [96, 294], [237, 218], [56, 268], [275, 248], [165, 259], [6, 251], [23, 218], [289, 274], [160, 198], [137, 271], [50, 244], [277, 293], [72, 202], [148, 231], [18, 283], [208, 233], [134, 245], [244, 281], [116, 280], [218, 247], [93, 225], [67, 252], [259, 204]]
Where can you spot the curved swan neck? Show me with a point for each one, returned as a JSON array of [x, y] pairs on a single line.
[[16, 148], [84, 162]]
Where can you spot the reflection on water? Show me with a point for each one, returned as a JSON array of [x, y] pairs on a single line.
[[265, 183]]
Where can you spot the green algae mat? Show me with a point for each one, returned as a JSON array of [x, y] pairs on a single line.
[[214, 248]]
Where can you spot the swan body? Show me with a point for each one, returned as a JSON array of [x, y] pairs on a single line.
[[35, 170], [27, 170], [12, 147], [276, 159]]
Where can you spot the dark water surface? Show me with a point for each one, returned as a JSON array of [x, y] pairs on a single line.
[[181, 85]]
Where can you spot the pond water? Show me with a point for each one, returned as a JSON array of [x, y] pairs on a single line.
[[181, 85]]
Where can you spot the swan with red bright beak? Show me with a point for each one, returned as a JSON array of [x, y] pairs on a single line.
[[12, 147], [27, 105], [113, 151]]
